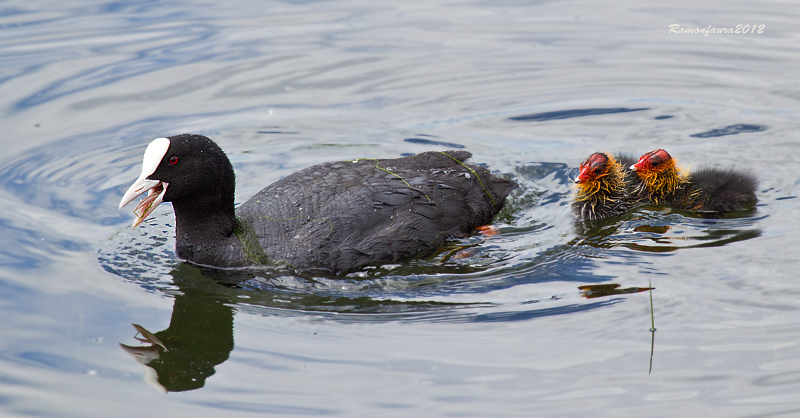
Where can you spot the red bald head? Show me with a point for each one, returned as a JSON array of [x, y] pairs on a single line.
[[593, 168], [653, 161]]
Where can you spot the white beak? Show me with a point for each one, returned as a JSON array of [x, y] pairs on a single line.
[[633, 167], [156, 189]]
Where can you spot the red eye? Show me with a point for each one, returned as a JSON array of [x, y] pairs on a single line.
[[173, 160]]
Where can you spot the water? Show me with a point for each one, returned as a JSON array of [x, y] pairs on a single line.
[[496, 327]]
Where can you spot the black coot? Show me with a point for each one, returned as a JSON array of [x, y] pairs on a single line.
[[605, 187], [705, 190], [332, 218]]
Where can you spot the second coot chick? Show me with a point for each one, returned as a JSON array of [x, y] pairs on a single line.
[[705, 190], [332, 218], [605, 188]]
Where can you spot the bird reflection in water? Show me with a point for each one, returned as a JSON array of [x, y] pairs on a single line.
[[199, 336]]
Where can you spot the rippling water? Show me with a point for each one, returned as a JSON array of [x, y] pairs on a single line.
[[550, 317]]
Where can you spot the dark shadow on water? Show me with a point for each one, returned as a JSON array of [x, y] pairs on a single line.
[[525, 315], [592, 291], [730, 130], [573, 113], [423, 141]]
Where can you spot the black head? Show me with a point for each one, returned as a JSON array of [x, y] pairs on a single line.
[[195, 168], [191, 171]]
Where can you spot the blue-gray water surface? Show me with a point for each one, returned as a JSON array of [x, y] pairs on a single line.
[[548, 317]]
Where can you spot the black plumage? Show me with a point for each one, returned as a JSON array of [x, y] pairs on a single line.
[[725, 190], [705, 190], [333, 217]]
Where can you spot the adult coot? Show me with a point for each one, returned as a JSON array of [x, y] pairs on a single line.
[[333, 218], [605, 188], [705, 190]]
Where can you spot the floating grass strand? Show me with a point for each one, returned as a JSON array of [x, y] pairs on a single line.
[[652, 328]]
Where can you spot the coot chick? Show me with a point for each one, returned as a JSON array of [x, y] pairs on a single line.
[[705, 190], [605, 188], [332, 218]]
